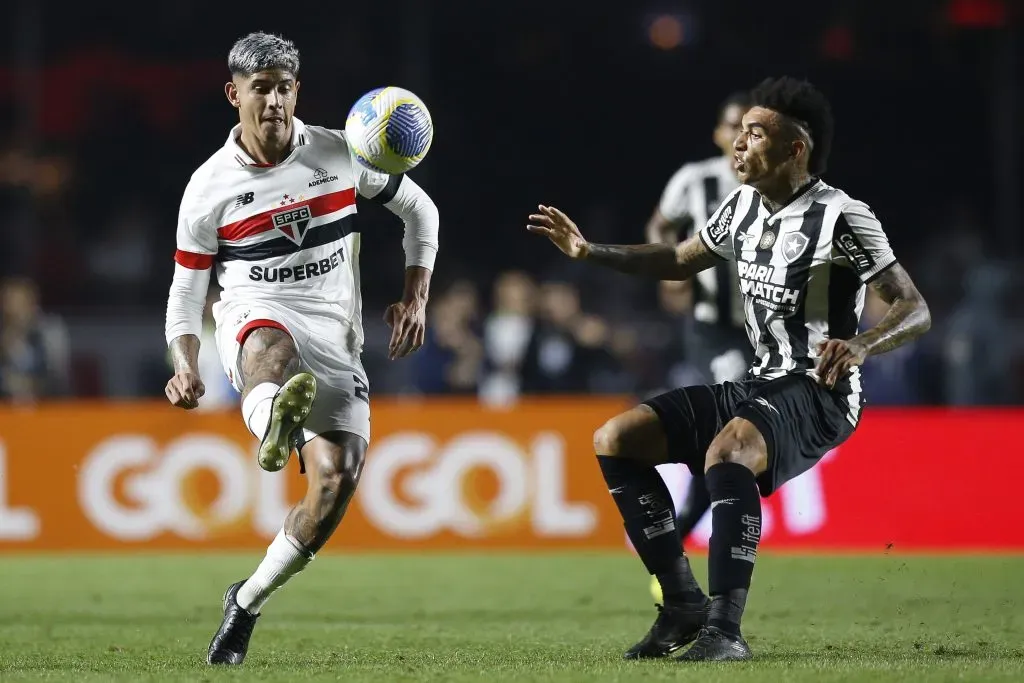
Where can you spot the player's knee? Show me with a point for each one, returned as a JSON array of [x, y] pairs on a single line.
[[612, 437], [739, 442], [607, 439], [282, 359], [269, 354], [635, 433]]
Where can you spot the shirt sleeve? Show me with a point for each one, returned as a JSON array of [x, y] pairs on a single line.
[[193, 261], [675, 198], [717, 234], [860, 243], [418, 212]]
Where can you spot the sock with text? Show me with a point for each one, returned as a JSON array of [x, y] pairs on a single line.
[[649, 517], [736, 531]]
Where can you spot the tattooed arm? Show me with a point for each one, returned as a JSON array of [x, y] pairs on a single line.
[[907, 319], [908, 316], [660, 261]]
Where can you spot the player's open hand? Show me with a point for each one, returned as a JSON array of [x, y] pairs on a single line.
[[408, 321], [185, 389], [838, 357], [560, 229]]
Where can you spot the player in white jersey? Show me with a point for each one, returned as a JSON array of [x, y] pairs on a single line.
[[715, 338], [806, 252], [273, 210]]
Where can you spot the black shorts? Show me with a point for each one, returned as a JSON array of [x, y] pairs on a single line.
[[800, 421]]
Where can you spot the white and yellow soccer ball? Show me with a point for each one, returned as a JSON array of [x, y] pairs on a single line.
[[389, 130], [656, 590]]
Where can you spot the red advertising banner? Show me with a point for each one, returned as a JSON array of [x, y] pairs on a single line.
[[450, 474]]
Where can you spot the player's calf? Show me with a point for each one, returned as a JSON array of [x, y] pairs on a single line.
[[334, 463], [628, 448], [734, 459]]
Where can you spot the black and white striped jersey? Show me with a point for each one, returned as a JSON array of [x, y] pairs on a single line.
[[689, 199], [802, 273]]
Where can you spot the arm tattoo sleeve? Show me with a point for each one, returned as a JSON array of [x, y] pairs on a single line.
[[908, 316], [660, 261]]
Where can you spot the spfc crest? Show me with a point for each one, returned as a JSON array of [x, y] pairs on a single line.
[[793, 245], [293, 222]]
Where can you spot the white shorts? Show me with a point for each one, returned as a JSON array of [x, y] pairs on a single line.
[[324, 343]]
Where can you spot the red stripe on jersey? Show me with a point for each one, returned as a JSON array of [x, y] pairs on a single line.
[[192, 260], [260, 223], [254, 325]]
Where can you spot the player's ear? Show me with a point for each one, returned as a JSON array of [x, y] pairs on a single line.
[[797, 147], [231, 92]]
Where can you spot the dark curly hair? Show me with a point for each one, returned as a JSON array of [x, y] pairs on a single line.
[[806, 105]]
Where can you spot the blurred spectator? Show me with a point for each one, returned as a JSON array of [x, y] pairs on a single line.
[[507, 331], [977, 347], [568, 348], [34, 356], [451, 357]]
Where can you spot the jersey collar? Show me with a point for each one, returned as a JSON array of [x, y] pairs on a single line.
[[299, 138], [802, 192]]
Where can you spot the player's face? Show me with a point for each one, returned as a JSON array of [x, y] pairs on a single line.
[[729, 127], [762, 150], [265, 102]]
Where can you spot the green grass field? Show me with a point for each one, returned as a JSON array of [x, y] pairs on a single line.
[[505, 617]]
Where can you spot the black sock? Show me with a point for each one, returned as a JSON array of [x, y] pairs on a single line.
[[649, 517], [697, 503], [736, 530]]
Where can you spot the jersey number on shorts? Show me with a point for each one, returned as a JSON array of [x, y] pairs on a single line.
[[362, 391]]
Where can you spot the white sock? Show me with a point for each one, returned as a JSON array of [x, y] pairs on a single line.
[[256, 408], [283, 561]]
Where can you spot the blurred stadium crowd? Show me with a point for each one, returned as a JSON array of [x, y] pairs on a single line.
[[104, 141]]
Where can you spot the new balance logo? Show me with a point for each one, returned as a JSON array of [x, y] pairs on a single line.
[[243, 199]]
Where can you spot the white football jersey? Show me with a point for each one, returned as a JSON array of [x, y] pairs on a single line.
[[282, 232]]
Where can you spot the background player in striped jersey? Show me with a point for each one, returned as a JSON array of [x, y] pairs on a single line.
[[806, 253], [274, 210], [715, 339]]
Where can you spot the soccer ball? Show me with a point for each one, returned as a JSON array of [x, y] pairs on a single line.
[[656, 590], [389, 130]]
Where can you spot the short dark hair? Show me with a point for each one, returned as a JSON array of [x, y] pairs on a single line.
[[740, 98], [258, 52], [802, 102]]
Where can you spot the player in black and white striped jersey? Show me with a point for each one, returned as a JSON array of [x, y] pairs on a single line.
[[806, 253], [714, 335]]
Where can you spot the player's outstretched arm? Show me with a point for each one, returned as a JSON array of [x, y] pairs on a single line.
[[660, 261], [907, 319]]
